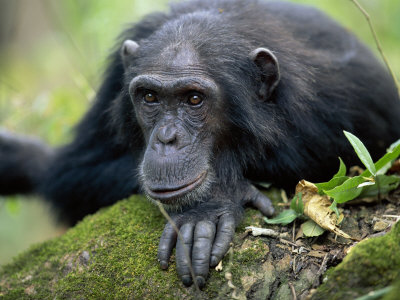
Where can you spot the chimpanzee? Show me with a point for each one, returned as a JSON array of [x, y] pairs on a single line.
[[198, 103]]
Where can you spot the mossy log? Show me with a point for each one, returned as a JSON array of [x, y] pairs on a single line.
[[112, 255]]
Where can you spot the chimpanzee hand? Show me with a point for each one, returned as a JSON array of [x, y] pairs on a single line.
[[207, 230]]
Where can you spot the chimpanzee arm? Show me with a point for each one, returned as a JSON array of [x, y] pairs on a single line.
[[80, 181], [22, 163]]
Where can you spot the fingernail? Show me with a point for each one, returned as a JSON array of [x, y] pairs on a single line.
[[213, 261], [187, 280], [200, 281], [164, 265]]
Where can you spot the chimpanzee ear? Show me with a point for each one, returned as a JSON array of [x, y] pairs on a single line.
[[269, 67], [128, 51]]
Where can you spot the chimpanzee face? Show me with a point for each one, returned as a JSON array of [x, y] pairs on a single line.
[[174, 104]]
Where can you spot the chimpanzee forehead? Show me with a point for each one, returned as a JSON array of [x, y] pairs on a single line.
[[179, 55], [165, 82], [175, 58]]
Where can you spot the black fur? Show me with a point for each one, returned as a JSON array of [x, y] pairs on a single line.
[[330, 82], [23, 161]]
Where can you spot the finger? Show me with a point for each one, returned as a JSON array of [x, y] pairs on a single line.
[[261, 202], [225, 233], [204, 234], [183, 252], [167, 243]]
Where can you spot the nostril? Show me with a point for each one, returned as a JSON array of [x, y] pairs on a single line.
[[167, 135]]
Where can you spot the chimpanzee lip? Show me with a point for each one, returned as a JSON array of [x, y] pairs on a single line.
[[168, 194]]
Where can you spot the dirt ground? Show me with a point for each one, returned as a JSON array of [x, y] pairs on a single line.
[[296, 265]]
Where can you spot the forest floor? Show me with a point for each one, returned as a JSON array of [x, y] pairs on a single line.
[[112, 255], [299, 263]]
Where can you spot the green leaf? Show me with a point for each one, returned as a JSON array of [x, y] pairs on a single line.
[[334, 208], [394, 145], [361, 151], [334, 182], [284, 218], [348, 190], [383, 185], [378, 294], [310, 228], [385, 162], [342, 170], [297, 204]]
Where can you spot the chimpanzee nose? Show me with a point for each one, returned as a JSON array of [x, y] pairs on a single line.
[[167, 134]]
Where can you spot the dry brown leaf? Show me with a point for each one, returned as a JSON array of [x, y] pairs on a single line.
[[318, 247], [316, 253], [316, 207], [299, 234]]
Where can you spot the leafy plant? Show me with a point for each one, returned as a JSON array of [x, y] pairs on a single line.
[[371, 182], [341, 188], [289, 215]]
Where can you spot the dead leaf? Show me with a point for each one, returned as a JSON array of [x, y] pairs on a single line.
[[316, 253], [316, 207], [318, 247], [299, 234], [284, 196]]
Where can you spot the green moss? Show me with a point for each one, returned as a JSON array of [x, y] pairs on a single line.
[[110, 255], [107, 255], [254, 253], [373, 264], [394, 293]]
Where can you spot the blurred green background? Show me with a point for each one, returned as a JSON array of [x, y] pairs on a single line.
[[52, 55]]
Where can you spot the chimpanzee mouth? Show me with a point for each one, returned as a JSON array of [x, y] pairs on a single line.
[[167, 194]]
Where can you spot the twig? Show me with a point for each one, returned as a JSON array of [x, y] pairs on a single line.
[[321, 270], [256, 231], [294, 297], [228, 275], [283, 241], [293, 233], [392, 216], [166, 215], [284, 196], [294, 262], [377, 42]]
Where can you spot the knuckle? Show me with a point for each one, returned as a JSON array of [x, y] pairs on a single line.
[[205, 230], [200, 266], [227, 227]]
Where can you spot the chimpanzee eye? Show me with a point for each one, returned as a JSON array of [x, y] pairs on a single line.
[[150, 98], [195, 99]]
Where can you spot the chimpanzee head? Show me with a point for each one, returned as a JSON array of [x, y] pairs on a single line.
[[182, 112]]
